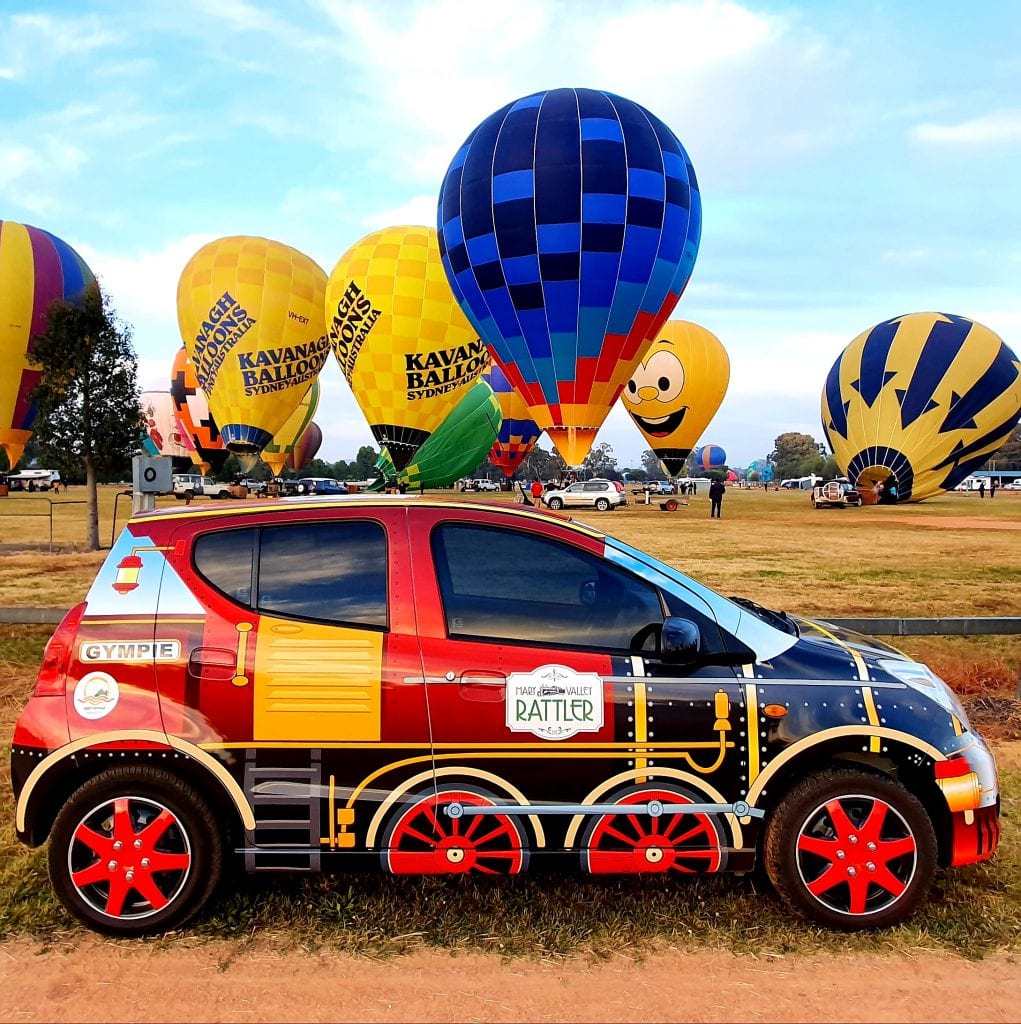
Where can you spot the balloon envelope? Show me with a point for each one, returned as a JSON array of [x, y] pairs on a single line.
[[161, 425], [676, 389], [307, 447], [277, 453], [191, 407], [36, 270], [402, 342], [710, 456], [763, 470], [251, 316], [457, 446], [518, 431], [925, 398], [570, 222]]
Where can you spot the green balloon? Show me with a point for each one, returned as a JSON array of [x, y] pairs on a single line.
[[454, 448]]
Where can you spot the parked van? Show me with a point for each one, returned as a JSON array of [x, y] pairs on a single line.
[[33, 479]]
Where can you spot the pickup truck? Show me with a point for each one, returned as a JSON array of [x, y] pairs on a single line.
[[836, 494], [193, 485]]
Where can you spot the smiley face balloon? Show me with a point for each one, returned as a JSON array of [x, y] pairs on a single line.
[[676, 389]]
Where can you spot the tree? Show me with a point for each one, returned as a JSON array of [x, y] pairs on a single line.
[[87, 396], [540, 464], [365, 463], [601, 462], [791, 453], [651, 466]]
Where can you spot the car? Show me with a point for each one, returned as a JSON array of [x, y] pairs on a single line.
[[1014, 485], [839, 493], [599, 494], [416, 685], [319, 485], [192, 485], [486, 485]]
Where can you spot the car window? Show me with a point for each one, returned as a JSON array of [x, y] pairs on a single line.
[[224, 559], [593, 487], [333, 572], [506, 585]]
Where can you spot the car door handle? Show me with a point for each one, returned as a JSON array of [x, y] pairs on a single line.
[[485, 687], [214, 664]]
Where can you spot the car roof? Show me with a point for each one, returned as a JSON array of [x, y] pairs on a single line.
[[366, 501]]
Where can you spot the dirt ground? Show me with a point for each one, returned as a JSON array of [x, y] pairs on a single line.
[[134, 982]]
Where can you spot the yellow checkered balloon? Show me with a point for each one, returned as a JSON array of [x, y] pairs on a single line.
[[400, 337], [251, 316]]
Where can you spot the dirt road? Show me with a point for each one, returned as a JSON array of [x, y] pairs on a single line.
[[95, 980]]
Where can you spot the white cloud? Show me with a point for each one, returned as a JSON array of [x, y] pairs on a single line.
[[31, 176], [417, 210], [999, 126], [143, 289]]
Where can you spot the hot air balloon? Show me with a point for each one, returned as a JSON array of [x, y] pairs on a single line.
[[198, 428], [278, 451], [402, 342], [518, 431], [456, 447], [307, 447], [923, 399], [763, 470], [710, 456], [570, 222], [162, 427], [676, 389], [36, 270], [251, 316]]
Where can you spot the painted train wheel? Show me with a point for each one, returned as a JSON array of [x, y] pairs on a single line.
[[851, 850], [423, 839], [134, 851], [634, 842]]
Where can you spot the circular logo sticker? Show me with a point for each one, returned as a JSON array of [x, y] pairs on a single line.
[[96, 695]]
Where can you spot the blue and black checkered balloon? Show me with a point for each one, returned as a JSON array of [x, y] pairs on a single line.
[[569, 223]]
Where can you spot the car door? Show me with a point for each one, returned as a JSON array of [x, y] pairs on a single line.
[[537, 693], [297, 669]]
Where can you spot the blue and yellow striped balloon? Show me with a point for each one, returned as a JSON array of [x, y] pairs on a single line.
[[924, 399]]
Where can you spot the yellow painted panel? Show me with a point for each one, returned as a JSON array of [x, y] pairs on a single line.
[[317, 682]]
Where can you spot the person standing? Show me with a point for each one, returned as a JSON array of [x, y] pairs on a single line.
[[981, 488], [992, 488], [537, 492], [716, 492]]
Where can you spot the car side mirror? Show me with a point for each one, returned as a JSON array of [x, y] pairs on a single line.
[[681, 641]]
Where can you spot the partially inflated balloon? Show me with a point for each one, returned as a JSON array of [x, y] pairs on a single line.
[[36, 270], [307, 447], [402, 342], [676, 389], [162, 426], [251, 316], [710, 456], [570, 223], [761, 470], [518, 431], [191, 407], [924, 399], [457, 446], [277, 452]]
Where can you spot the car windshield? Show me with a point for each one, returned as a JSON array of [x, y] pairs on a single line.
[[779, 619]]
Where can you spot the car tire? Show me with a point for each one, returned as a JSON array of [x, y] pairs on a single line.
[[145, 900], [851, 851], [222, 494], [189, 495], [603, 504], [556, 504]]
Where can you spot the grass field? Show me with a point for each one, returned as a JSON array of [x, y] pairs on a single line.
[[952, 556]]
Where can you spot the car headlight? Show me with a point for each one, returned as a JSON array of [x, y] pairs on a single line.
[[922, 678]]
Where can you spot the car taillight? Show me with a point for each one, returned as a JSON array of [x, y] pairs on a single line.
[[57, 656]]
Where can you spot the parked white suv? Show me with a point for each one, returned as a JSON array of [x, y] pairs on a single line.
[[191, 485], [600, 494]]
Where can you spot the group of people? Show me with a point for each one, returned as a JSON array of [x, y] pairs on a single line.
[[886, 491], [982, 488]]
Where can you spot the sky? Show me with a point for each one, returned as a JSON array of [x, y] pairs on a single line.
[[856, 161]]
